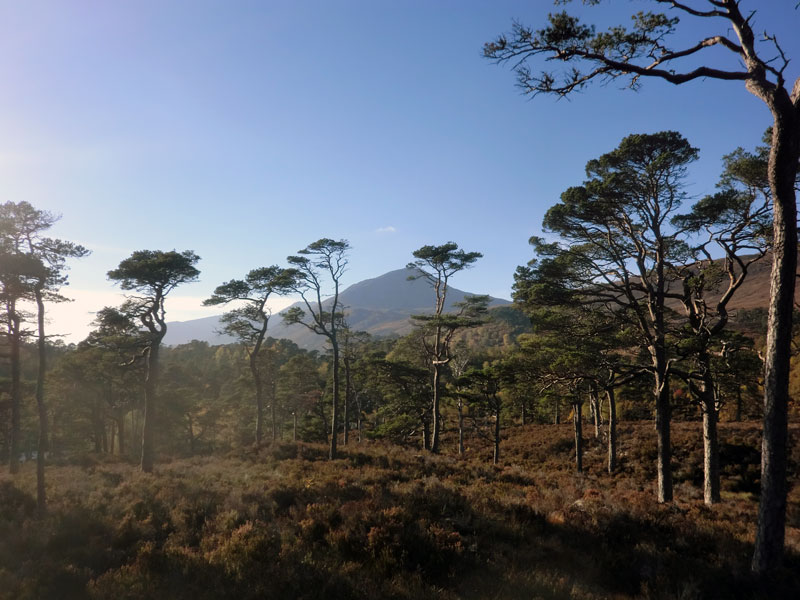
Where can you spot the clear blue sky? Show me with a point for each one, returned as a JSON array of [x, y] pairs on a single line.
[[246, 130]]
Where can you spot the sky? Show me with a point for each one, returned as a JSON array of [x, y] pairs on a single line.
[[246, 130]]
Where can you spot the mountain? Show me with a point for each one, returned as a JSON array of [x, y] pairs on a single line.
[[380, 306]]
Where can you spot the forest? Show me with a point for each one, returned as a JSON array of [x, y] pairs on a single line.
[[625, 428], [623, 317]]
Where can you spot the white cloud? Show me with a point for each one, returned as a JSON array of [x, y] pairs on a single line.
[[387, 229]]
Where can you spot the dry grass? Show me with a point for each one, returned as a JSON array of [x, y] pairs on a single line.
[[386, 522]]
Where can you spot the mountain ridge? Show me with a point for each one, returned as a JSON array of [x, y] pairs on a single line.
[[379, 305]]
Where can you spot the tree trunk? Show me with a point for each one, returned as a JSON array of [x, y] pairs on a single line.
[[782, 170], [460, 427], [97, 428], [360, 421], [148, 419], [496, 458], [578, 426], [663, 418], [259, 385], [273, 404], [112, 438], [335, 411], [435, 417], [711, 493], [41, 407], [121, 434], [16, 389], [557, 418], [426, 434], [347, 394], [738, 416], [190, 432], [612, 430], [595, 405]]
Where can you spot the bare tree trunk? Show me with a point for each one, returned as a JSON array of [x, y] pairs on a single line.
[[595, 407], [578, 426], [335, 412], [121, 434], [347, 394], [190, 432], [460, 426], [435, 416], [496, 458], [711, 493], [98, 428], [782, 170], [360, 421], [663, 418], [259, 385], [738, 416], [148, 419], [612, 430], [557, 419], [273, 405], [16, 389], [41, 447]]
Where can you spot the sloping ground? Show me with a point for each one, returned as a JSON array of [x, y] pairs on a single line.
[[380, 306], [388, 522], [754, 292]]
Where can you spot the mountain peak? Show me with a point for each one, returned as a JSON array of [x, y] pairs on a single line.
[[381, 306]]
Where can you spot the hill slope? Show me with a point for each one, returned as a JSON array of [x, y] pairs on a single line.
[[380, 306]]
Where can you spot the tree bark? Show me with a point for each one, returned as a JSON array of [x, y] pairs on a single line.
[[711, 486], [16, 389], [259, 385], [663, 419], [496, 458], [347, 394], [148, 419], [335, 412], [782, 171], [41, 407], [121, 434], [578, 426], [612, 430], [360, 421], [460, 427], [738, 416], [595, 405], [435, 416]]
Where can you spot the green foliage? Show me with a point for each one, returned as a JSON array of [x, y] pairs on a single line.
[[156, 271]]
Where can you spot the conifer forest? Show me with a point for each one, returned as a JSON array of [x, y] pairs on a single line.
[[624, 425]]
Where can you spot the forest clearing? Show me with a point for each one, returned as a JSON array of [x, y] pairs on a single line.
[[381, 521]]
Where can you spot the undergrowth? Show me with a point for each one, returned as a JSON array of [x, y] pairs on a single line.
[[387, 522]]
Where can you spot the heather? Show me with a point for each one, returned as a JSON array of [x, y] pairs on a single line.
[[385, 521]]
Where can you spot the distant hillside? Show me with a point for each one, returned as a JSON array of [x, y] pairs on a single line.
[[380, 306]]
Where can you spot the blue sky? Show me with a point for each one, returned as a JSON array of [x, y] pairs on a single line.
[[246, 130]]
